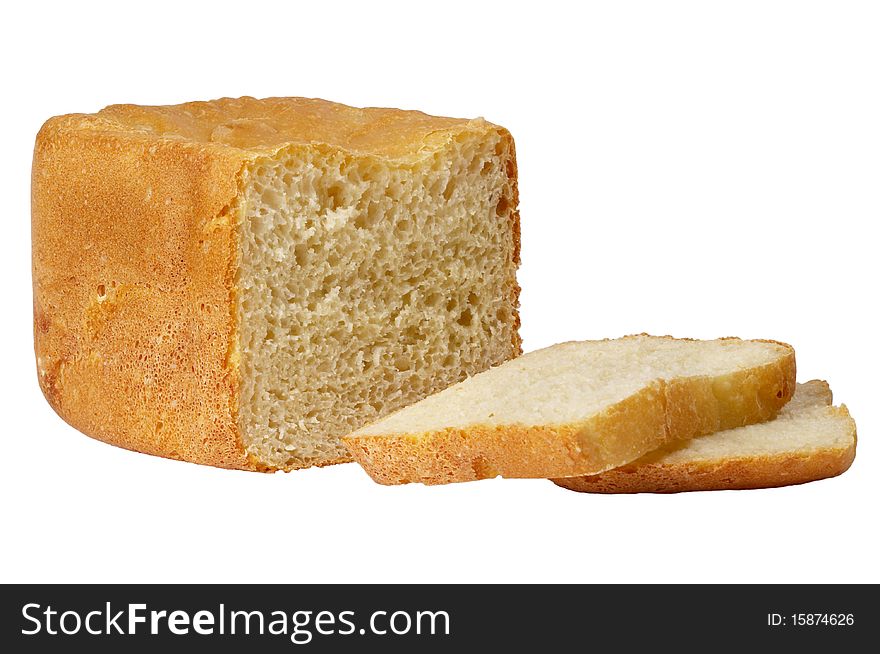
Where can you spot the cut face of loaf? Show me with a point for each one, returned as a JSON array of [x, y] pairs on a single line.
[[808, 440], [242, 282], [578, 408]]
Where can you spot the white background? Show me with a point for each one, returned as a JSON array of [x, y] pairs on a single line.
[[699, 169]]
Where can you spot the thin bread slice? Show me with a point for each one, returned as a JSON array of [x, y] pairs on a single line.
[[578, 408], [808, 440]]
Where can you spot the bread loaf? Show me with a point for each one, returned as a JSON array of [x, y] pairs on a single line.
[[808, 440], [242, 282], [578, 408]]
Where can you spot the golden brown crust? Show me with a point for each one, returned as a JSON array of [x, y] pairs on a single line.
[[513, 180], [735, 473], [133, 254], [661, 413], [264, 126], [134, 257]]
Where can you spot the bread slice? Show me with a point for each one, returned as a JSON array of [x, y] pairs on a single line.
[[808, 440], [578, 408], [241, 282]]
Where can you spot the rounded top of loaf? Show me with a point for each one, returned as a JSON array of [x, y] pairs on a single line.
[[264, 126]]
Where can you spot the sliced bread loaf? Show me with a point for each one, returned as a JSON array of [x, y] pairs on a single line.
[[578, 408], [808, 440], [241, 282]]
